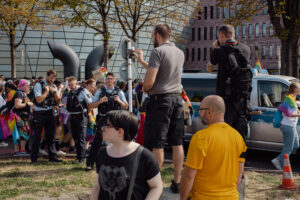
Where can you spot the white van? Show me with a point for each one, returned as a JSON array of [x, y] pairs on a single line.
[[267, 93]]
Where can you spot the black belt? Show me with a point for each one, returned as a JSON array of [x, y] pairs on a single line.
[[42, 111], [156, 96]]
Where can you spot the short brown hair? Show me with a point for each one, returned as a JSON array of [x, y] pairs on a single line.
[[90, 81], [51, 72], [163, 30], [110, 74], [292, 88], [227, 30], [72, 78]]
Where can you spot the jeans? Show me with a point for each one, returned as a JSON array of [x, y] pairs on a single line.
[[290, 141]]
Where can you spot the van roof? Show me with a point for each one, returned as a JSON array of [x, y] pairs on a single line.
[[256, 76]]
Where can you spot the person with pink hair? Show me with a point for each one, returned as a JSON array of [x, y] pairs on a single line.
[[22, 107]]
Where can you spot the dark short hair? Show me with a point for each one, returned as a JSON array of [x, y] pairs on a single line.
[[110, 74], [51, 72], [163, 30], [227, 30], [125, 120]]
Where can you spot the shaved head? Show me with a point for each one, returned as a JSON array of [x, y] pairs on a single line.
[[215, 102]]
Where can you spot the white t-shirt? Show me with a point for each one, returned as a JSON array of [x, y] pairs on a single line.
[[289, 121]]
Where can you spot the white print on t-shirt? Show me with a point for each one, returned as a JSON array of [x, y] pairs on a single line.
[[112, 179]]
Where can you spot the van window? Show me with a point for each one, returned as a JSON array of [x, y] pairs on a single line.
[[197, 89], [270, 93]]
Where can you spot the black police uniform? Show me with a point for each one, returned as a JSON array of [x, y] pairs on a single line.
[[44, 119], [78, 120], [103, 108], [235, 114]]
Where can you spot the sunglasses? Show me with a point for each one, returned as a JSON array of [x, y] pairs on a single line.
[[199, 109]]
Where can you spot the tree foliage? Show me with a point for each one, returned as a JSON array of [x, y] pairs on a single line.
[[15, 14], [134, 15], [285, 17]]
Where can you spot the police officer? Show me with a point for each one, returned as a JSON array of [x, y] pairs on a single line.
[[78, 102], [106, 98], [45, 97]]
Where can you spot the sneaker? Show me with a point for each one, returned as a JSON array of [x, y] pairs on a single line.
[[3, 144], [81, 161], [88, 168], [175, 187], [24, 153], [276, 163], [61, 153], [43, 152], [17, 154]]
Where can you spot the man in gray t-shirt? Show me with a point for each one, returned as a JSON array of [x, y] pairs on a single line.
[[164, 115]]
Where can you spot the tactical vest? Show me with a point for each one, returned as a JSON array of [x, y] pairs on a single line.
[[111, 104], [48, 101], [73, 104]]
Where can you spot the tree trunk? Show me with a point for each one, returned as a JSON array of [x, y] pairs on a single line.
[[12, 39], [289, 56], [105, 41]]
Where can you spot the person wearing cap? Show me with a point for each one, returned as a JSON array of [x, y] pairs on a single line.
[[23, 108]]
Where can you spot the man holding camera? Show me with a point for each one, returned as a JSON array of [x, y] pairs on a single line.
[[106, 99], [45, 97], [236, 104]]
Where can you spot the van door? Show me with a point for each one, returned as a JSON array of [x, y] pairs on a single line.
[[262, 133], [197, 89]]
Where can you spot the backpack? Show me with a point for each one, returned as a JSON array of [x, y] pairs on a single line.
[[277, 119], [73, 104], [240, 75]]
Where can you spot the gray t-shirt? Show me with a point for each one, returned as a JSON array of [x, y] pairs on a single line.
[[169, 59]]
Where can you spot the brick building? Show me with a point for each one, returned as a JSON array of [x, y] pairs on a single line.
[[257, 33]]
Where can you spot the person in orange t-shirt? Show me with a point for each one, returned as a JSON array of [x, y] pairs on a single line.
[[216, 157]]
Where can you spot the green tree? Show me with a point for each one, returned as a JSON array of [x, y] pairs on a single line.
[[94, 14], [15, 14], [285, 17]]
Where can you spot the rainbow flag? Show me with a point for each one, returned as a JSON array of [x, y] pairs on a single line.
[[258, 65]]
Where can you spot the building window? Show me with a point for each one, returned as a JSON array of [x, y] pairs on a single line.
[[250, 30], [218, 13], [193, 54], [199, 33], [237, 32], [205, 33], [277, 51], [199, 15], [205, 12], [211, 12], [257, 8], [271, 30], [199, 54], [263, 52], [204, 56], [224, 13], [186, 54], [265, 8], [231, 11], [271, 52], [211, 33], [256, 51], [217, 32], [264, 29], [256, 30], [193, 34], [243, 30]]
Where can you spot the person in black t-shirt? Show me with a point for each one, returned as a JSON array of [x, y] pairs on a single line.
[[114, 163], [22, 107], [235, 111]]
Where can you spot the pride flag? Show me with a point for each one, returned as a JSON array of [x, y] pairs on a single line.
[[258, 65]]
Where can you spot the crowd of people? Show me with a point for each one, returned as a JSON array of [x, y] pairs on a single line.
[[92, 119]]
